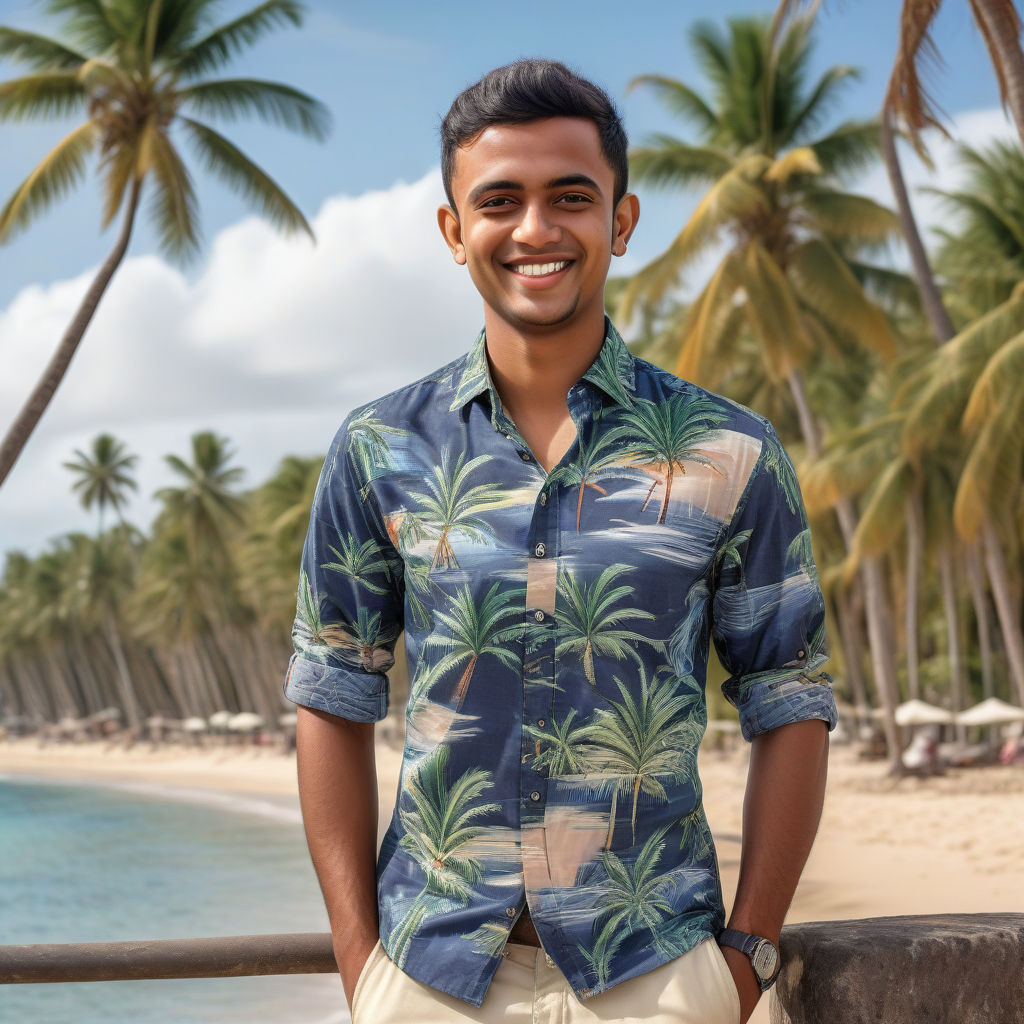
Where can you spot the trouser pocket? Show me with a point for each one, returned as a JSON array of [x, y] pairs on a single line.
[[378, 949]]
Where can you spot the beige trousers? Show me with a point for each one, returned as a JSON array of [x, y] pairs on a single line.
[[696, 988]]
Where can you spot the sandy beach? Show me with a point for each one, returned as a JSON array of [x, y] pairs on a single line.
[[949, 844]]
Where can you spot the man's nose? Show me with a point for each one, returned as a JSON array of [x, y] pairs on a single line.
[[535, 227]]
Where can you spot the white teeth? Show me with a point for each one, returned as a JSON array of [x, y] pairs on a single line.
[[539, 269]]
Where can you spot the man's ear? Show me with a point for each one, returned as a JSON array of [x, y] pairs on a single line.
[[451, 229], [627, 213]]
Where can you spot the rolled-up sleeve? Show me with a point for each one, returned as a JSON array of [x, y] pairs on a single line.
[[768, 613], [350, 594]]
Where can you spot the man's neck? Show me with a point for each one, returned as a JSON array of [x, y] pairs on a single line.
[[533, 372]]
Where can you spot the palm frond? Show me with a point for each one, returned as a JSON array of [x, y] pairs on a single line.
[[847, 217], [89, 22], [278, 103], [230, 163], [39, 52], [174, 203], [61, 169], [217, 48], [668, 161], [680, 99], [802, 160], [822, 96], [46, 94], [849, 149]]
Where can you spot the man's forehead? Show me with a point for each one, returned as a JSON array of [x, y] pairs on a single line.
[[533, 153]]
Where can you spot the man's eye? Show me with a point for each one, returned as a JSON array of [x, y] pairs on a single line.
[[574, 198], [495, 202]]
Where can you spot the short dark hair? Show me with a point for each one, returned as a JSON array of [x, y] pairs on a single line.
[[529, 90]]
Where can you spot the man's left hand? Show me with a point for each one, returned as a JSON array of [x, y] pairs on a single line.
[[745, 979]]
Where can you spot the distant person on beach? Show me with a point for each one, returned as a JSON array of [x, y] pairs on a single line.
[[561, 529]]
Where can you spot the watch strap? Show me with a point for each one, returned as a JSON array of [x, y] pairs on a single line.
[[749, 945]]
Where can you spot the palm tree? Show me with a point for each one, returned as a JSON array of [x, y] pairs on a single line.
[[600, 456], [775, 197], [639, 740], [563, 752], [104, 475], [359, 562], [475, 630], [588, 619], [669, 434], [369, 445], [135, 68], [437, 829], [630, 897], [452, 507]]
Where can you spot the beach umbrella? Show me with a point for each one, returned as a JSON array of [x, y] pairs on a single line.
[[723, 725], [194, 725], [991, 712], [288, 720], [917, 712], [106, 715], [219, 719], [245, 721]]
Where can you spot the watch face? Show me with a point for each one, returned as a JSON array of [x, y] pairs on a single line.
[[765, 960]]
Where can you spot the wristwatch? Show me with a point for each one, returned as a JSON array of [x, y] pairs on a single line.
[[763, 954]]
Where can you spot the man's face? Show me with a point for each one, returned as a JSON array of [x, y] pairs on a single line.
[[534, 221]]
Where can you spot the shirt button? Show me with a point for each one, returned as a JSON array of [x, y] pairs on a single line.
[[540, 722], [538, 615], [525, 456], [511, 911], [539, 550], [800, 654], [544, 498], [535, 796]]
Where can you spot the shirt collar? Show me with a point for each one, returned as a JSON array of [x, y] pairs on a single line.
[[613, 371]]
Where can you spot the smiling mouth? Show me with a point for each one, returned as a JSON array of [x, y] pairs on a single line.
[[538, 269]]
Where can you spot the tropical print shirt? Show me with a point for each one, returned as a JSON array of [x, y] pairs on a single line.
[[557, 630]]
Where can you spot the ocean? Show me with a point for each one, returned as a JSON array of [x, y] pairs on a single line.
[[85, 863]]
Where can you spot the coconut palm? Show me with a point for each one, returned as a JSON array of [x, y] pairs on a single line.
[[563, 752], [452, 507], [104, 475], [474, 630], [630, 897], [360, 562], [599, 457], [437, 829], [638, 741], [774, 197], [205, 507], [669, 434], [135, 68], [588, 620], [369, 446]]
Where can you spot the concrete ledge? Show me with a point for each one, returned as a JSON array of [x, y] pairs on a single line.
[[956, 968]]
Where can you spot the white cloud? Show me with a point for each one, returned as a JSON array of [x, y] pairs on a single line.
[[272, 345], [277, 339]]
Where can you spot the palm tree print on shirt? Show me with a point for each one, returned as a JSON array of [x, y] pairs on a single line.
[[368, 445], [359, 562], [475, 630], [600, 456], [453, 507], [587, 619], [638, 741], [631, 896], [437, 830], [669, 434]]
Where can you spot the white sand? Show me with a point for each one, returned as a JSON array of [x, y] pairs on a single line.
[[953, 844]]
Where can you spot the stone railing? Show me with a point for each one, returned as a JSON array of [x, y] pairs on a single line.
[[938, 969]]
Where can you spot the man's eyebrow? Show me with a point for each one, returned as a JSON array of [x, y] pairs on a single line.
[[507, 185]]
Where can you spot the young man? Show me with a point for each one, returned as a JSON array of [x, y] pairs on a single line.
[[558, 527]]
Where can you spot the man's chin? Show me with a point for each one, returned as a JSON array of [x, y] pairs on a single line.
[[532, 317]]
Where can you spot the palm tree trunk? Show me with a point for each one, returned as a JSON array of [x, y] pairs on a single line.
[[20, 431], [981, 617], [128, 698], [1009, 622], [956, 667], [850, 639], [880, 639], [915, 545], [611, 818], [1000, 26], [931, 299]]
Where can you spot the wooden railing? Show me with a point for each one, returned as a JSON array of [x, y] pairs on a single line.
[[227, 956]]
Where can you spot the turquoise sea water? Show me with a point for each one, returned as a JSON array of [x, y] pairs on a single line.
[[82, 864]]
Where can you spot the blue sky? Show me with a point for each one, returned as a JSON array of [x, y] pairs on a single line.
[[267, 340]]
